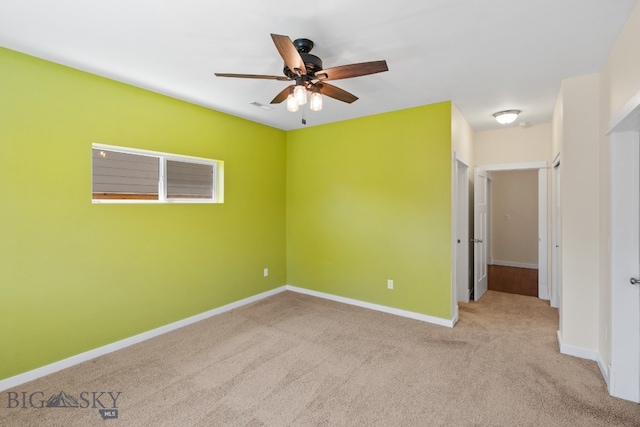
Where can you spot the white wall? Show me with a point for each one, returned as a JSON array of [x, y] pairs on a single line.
[[580, 189], [557, 128], [513, 145], [514, 218], [622, 68], [462, 136]]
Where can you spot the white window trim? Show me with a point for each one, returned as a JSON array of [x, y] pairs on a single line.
[[218, 180]]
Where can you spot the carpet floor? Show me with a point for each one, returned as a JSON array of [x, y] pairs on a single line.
[[296, 360]]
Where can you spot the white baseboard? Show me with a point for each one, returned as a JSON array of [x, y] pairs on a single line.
[[604, 370], [570, 350], [514, 264], [583, 353], [110, 348], [396, 311], [34, 374]]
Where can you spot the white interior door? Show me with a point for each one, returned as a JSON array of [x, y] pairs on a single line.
[[543, 241], [480, 233], [624, 378]]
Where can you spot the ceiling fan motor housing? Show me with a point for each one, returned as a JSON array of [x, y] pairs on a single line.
[[311, 62]]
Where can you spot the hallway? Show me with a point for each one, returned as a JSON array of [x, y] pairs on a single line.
[[513, 280]]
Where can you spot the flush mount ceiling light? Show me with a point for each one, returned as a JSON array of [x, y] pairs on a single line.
[[507, 116]]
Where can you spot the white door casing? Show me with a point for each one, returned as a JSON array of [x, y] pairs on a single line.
[[480, 233], [461, 232], [542, 168], [624, 375], [556, 261]]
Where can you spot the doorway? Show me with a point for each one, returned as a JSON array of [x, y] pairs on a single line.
[[513, 232], [482, 238]]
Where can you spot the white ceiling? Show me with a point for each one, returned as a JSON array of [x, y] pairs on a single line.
[[485, 56]]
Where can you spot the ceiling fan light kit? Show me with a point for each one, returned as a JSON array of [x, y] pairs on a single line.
[[300, 94], [292, 103], [507, 116], [315, 104], [307, 72]]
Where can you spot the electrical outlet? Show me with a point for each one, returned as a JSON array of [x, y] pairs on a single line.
[[389, 284], [266, 272]]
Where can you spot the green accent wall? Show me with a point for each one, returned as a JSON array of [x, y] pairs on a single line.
[[338, 208], [370, 200], [75, 275]]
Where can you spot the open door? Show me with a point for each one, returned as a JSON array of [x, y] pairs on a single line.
[[480, 234]]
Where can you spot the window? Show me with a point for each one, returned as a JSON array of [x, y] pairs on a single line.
[[131, 175], [187, 180], [118, 175]]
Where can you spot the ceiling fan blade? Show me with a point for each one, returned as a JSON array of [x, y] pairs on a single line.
[[282, 95], [335, 92], [353, 70], [253, 76], [290, 54]]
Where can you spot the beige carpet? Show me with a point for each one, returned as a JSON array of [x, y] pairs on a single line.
[[297, 360]]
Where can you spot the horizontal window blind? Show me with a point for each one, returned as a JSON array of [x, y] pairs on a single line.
[[124, 175], [189, 180]]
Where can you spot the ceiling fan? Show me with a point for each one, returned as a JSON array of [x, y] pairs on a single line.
[[309, 76]]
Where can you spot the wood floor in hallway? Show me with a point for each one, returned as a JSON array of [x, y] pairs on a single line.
[[513, 280]]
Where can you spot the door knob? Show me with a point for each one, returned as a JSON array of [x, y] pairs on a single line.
[[634, 281]]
